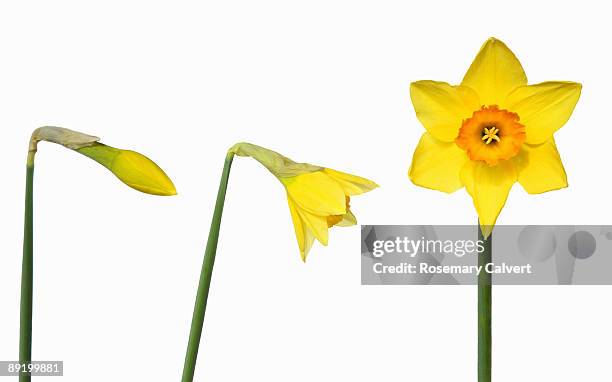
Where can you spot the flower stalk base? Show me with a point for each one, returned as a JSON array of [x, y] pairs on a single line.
[[27, 270], [484, 310], [197, 321]]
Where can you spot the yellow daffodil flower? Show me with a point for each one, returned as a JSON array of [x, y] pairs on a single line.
[[491, 131], [318, 197], [132, 168]]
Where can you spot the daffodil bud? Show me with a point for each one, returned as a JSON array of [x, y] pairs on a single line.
[[132, 168]]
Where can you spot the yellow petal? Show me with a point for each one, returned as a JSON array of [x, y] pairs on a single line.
[[308, 241], [132, 168], [544, 108], [303, 235], [351, 184], [441, 107], [437, 165], [297, 224], [494, 73], [489, 187], [316, 224], [540, 168], [317, 193]]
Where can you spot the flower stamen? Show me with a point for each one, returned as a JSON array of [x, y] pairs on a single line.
[[490, 134]]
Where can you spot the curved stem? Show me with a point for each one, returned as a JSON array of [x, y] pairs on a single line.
[[484, 311], [197, 321], [27, 270]]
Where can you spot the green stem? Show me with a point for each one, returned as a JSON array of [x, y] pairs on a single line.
[[197, 321], [484, 311], [27, 269]]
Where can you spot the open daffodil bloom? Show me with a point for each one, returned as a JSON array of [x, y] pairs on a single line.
[[491, 131], [318, 197], [485, 134]]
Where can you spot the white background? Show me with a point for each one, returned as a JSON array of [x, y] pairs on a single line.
[[324, 82]]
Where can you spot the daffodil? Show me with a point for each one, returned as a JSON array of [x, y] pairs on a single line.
[[491, 131], [318, 197], [132, 168], [485, 134]]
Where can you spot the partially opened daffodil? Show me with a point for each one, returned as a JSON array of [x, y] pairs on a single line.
[[132, 168], [491, 131], [318, 197]]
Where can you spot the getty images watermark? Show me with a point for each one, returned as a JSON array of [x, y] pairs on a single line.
[[522, 255]]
